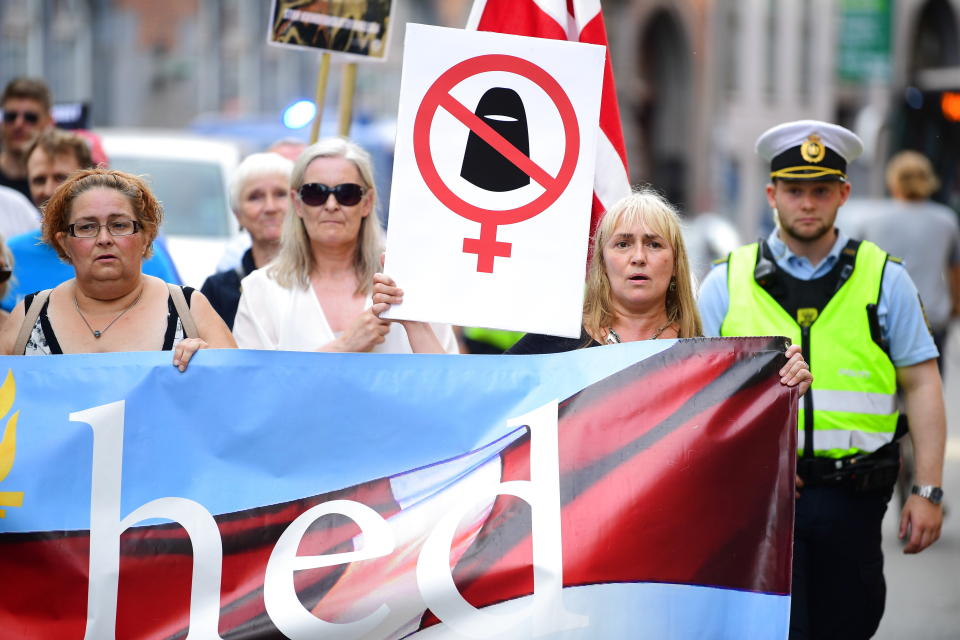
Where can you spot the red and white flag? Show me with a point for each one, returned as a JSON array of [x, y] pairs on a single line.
[[578, 21]]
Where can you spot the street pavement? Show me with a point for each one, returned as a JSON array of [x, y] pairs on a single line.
[[923, 591]]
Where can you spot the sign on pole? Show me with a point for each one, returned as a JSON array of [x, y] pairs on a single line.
[[493, 178], [357, 30]]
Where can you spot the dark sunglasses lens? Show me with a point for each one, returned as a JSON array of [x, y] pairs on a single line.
[[5, 274], [348, 194], [31, 117], [314, 194]]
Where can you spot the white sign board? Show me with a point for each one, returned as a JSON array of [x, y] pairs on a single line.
[[493, 179]]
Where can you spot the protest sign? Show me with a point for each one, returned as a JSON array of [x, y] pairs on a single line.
[[493, 178], [641, 490], [356, 30]]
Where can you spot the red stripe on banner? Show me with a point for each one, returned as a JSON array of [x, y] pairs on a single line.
[[707, 501], [156, 567]]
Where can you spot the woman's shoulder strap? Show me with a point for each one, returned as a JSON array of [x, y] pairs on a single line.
[[183, 310], [32, 306]]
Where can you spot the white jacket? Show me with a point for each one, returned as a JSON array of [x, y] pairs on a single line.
[[274, 317]]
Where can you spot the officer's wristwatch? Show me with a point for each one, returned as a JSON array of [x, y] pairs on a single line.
[[928, 491]]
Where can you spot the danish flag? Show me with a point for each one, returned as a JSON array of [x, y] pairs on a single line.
[[577, 21]]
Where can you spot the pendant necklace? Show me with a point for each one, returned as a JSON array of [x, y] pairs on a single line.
[[97, 332], [614, 338]]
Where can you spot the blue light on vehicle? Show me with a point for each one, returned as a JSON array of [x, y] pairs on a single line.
[[299, 114]]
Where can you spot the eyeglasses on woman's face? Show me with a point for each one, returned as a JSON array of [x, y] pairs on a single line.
[[347, 194], [121, 227]]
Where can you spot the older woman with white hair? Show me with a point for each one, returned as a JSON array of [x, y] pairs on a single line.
[[323, 292], [259, 197]]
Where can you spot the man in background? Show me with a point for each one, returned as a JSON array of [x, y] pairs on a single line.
[[53, 156], [26, 112], [923, 233]]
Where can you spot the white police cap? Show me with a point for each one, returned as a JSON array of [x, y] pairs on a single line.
[[809, 150]]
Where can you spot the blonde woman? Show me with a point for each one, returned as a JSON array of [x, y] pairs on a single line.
[[639, 285], [323, 292]]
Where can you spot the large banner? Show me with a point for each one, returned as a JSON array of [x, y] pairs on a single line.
[[640, 490]]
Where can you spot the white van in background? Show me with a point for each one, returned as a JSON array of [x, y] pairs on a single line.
[[189, 174]]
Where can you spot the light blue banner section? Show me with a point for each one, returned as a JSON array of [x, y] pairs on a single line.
[[243, 429], [655, 611]]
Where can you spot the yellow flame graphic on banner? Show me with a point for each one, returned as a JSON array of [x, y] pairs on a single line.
[[8, 446]]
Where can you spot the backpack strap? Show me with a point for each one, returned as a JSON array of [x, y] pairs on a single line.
[[30, 316], [186, 318]]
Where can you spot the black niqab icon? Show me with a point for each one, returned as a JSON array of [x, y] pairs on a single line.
[[484, 166]]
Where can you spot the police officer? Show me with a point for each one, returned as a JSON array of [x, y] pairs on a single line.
[[858, 317]]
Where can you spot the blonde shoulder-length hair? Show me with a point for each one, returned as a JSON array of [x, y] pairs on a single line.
[[644, 206], [294, 262]]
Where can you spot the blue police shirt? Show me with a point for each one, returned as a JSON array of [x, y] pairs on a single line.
[[36, 266], [899, 310]]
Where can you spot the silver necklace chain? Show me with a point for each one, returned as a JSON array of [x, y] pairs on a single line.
[[97, 333], [614, 338]]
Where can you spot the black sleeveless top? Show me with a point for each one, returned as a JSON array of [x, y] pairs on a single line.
[[43, 341]]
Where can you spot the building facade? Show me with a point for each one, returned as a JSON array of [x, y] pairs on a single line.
[[698, 80]]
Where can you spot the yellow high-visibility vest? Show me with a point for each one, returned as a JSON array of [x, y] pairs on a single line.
[[854, 380]]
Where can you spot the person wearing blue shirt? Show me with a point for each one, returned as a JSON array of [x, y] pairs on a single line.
[[37, 267], [52, 157], [858, 317]]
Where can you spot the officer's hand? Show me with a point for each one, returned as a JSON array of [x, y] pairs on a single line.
[[921, 521], [796, 371], [799, 486]]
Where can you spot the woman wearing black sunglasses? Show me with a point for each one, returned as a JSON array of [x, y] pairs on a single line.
[[323, 292]]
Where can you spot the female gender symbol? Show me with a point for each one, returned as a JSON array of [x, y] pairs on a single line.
[[438, 95]]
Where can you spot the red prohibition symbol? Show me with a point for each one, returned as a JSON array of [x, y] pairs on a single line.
[[438, 95]]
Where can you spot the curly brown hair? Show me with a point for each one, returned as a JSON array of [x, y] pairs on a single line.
[[56, 213]]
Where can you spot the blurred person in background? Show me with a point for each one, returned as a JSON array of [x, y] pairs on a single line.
[[259, 197], [51, 159], [6, 272], [102, 223], [17, 213], [289, 148], [709, 236], [323, 292], [922, 233], [26, 112]]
